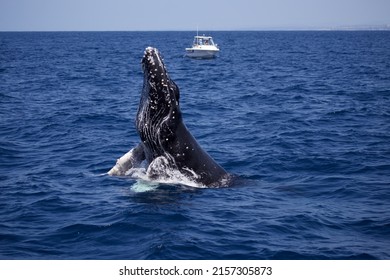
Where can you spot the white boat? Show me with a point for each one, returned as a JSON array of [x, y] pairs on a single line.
[[202, 47]]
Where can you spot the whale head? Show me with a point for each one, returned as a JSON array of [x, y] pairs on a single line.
[[159, 110]]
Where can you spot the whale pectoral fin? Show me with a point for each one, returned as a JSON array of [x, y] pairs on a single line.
[[131, 159]]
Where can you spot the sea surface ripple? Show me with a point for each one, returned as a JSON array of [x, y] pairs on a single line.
[[302, 119]]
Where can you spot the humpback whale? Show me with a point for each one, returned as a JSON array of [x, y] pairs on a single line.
[[166, 144]]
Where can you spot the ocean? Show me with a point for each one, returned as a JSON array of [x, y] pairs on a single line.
[[300, 119]]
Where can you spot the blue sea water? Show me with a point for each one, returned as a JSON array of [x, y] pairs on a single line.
[[302, 119]]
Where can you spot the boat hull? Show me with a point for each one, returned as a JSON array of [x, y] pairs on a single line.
[[201, 53]]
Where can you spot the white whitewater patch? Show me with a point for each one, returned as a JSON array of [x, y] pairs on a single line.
[[142, 186], [159, 172]]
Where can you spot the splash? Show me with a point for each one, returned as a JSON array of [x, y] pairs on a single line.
[[142, 186], [160, 171]]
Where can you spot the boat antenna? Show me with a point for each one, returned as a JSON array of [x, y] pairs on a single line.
[[197, 27]]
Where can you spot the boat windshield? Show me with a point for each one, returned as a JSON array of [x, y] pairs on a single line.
[[200, 41]]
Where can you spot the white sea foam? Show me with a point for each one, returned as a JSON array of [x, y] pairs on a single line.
[[142, 186], [160, 172]]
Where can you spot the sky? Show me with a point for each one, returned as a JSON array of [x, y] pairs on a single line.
[[208, 15]]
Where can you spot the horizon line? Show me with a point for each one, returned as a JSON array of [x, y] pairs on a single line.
[[351, 27], [383, 28]]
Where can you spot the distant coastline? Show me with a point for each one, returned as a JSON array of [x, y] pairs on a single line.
[[383, 27]]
